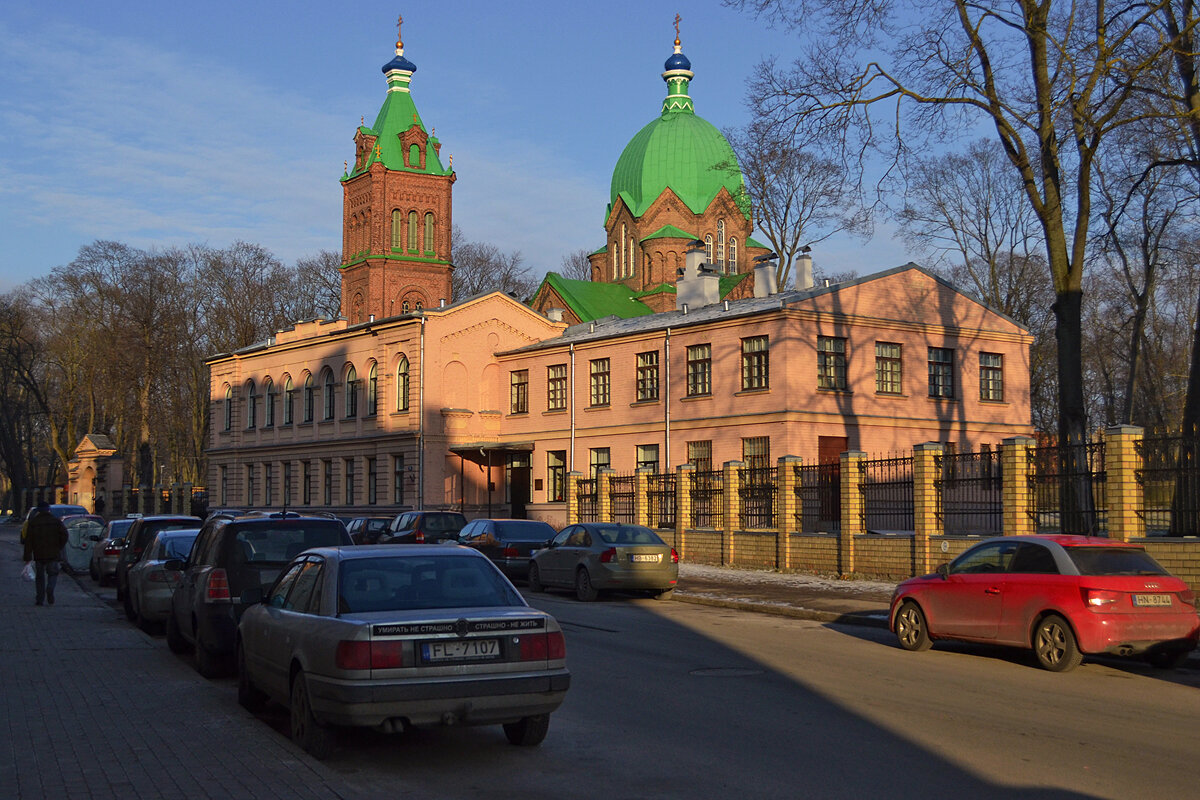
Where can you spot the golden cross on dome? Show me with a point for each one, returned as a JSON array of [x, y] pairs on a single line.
[[378, 152], [678, 19], [345, 166], [399, 22], [415, 120]]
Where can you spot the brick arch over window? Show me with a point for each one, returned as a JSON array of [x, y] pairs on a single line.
[[356, 309]]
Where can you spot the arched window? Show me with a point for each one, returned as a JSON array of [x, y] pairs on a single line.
[[351, 393], [289, 394], [373, 390], [228, 407], [632, 257], [330, 397], [308, 399], [366, 233], [429, 233], [404, 307], [708, 249], [402, 384], [412, 231], [251, 405], [621, 274], [397, 230], [414, 156], [418, 306], [269, 406], [721, 244], [733, 262]]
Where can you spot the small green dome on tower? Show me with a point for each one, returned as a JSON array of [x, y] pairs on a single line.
[[678, 150]]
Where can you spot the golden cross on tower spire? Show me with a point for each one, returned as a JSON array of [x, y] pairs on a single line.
[[678, 19], [399, 40]]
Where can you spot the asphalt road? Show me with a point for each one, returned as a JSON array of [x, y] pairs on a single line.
[[671, 700]]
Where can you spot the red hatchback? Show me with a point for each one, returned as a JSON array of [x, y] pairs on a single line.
[[1061, 596]]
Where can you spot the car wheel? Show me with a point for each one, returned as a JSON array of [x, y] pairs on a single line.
[[175, 640], [250, 697], [528, 731], [1167, 659], [911, 629], [207, 662], [584, 589], [314, 738], [1054, 645], [535, 579], [665, 594], [130, 614], [143, 623]]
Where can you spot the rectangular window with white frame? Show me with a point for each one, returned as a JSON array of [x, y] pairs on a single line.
[[991, 377], [647, 457], [519, 391], [600, 384], [831, 363], [556, 387], [756, 363], [889, 368], [647, 376], [699, 370], [941, 372]]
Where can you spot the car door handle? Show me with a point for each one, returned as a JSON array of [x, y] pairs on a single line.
[[992, 590]]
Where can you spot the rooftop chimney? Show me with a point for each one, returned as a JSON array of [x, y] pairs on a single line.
[[554, 314], [698, 284], [804, 272]]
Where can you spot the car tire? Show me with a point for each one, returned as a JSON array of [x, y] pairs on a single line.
[[1054, 645], [1167, 659], [535, 579], [665, 594], [143, 623], [912, 631], [207, 662], [175, 641], [584, 590], [528, 731], [130, 614], [250, 697], [314, 738]]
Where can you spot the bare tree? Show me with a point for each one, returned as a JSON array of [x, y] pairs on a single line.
[[245, 297], [480, 267], [799, 199], [576, 266], [317, 289]]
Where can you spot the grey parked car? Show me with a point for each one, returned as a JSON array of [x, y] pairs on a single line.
[[151, 584], [507, 542], [592, 556], [397, 637], [107, 549]]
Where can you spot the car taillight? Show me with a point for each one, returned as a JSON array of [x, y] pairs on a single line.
[[674, 556], [1101, 599], [216, 590], [608, 555], [511, 552], [543, 646], [112, 551], [1188, 596], [419, 536], [369, 655]]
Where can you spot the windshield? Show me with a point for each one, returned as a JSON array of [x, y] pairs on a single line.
[[1114, 561], [529, 531], [627, 534], [282, 542], [444, 522], [412, 583]]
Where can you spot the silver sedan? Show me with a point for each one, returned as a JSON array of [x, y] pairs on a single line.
[[398, 637], [594, 556]]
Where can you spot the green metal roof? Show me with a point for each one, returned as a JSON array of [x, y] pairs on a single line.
[[590, 300], [669, 232], [752, 242], [603, 249], [396, 116]]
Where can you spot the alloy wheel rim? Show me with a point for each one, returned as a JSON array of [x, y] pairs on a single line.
[[910, 629], [1051, 645]]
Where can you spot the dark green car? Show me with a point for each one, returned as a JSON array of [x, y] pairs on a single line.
[[593, 556]]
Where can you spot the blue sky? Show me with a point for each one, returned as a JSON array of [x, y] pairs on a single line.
[[160, 124]]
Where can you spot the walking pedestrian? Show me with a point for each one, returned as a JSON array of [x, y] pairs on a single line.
[[44, 540]]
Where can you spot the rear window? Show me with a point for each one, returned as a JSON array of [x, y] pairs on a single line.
[[444, 522], [529, 531], [117, 528], [1114, 561], [67, 511], [148, 529], [278, 544], [178, 545], [408, 583], [627, 534]]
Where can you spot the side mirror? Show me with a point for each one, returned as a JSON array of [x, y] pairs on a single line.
[[174, 564], [943, 569], [252, 595]]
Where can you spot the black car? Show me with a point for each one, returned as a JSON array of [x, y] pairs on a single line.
[[507, 542], [140, 534], [233, 554], [366, 530], [424, 527]]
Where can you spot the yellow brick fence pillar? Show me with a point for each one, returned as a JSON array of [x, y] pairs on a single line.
[[731, 506], [852, 509], [604, 495], [683, 505], [1016, 500], [572, 496], [1122, 461], [787, 510], [641, 497], [925, 503]]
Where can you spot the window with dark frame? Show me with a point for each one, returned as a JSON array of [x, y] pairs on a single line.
[[756, 363], [351, 393], [699, 370], [941, 372], [556, 387], [831, 363], [647, 456], [991, 376], [756, 452], [309, 400], [600, 386], [306, 485], [556, 471], [889, 368], [599, 459], [268, 483], [250, 484], [289, 397], [268, 404], [647, 375], [251, 406], [373, 391], [329, 482], [330, 396], [349, 481], [700, 455], [519, 391], [398, 479]]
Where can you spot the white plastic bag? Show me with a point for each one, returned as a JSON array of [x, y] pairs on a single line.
[[27, 573]]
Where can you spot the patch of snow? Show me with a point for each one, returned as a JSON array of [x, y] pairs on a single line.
[[747, 577]]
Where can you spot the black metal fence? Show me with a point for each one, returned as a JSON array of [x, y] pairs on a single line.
[[1067, 488], [1170, 483], [588, 500], [969, 487], [620, 494], [708, 491], [757, 489], [819, 497], [661, 494], [887, 486]]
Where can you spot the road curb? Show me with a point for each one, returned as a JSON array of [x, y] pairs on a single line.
[[868, 619]]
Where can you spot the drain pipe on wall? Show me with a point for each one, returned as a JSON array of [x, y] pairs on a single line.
[[667, 400], [571, 463], [421, 423]]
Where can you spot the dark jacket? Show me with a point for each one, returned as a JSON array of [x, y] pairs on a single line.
[[45, 538]]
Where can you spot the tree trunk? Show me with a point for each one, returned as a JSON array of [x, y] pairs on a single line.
[[1076, 506], [1185, 508]]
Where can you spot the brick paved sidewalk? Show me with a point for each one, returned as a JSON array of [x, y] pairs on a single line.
[[91, 707]]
